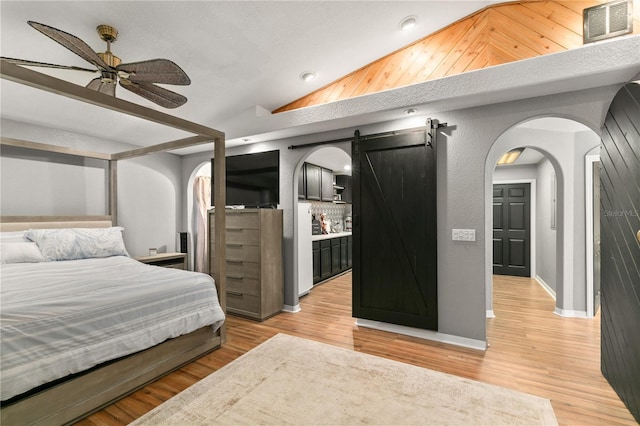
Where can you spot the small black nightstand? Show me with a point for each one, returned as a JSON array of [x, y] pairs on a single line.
[[166, 260]]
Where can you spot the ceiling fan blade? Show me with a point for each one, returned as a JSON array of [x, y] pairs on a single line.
[[159, 95], [44, 64], [155, 71], [97, 84], [72, 43]]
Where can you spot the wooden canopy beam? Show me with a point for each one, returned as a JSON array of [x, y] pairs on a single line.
[[22, 75], [167, 146]]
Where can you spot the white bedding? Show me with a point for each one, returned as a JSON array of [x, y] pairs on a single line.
[[60, 318]]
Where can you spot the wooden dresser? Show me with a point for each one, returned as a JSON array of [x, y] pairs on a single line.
[[255, 281]]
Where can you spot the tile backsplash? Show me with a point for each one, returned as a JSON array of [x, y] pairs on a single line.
[[333, 212]]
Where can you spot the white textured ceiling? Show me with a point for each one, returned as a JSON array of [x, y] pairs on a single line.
[[243, 57]]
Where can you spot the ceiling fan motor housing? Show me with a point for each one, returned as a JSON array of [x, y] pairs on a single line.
[[110, 59], [110, 35]]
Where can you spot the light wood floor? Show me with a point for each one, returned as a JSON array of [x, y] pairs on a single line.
[[531, 350]]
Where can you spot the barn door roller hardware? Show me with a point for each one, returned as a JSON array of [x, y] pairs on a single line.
[[433, 125]]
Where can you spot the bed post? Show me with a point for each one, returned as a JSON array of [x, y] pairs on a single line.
[[113, 191], [219, 263]]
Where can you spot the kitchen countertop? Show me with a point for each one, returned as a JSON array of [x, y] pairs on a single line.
[[328, 236]]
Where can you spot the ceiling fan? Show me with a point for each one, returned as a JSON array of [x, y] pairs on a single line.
[[137, 77]]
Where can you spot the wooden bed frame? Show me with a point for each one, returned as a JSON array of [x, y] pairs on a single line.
[[84, 393]]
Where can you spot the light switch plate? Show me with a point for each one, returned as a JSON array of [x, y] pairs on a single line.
[[463, 234]]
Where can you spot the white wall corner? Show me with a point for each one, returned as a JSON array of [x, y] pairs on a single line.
[[424, 334], [567, 313], [546, 287], [291, 309]]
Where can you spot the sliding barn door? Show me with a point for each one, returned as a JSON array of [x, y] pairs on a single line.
[[395, 248], [620, 246]]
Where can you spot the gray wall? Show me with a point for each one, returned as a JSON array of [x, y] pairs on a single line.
[[546, 236], [149, 188]]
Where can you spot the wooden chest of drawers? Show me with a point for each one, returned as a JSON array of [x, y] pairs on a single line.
[[255, 282]]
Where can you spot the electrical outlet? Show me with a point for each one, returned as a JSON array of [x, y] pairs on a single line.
[[463, 234]]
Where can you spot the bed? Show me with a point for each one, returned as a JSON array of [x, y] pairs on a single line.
[[69, 398], [75, 306]]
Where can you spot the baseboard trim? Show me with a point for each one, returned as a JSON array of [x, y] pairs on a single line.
[[546, 287], [568, 313], [424, 334], [291, 309], [490, 313]]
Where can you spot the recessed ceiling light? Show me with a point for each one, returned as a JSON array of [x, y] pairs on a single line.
[[307, 76], [510, 157], [410, 111], [408, 23]]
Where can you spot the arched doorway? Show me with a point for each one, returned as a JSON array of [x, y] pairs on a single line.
[[197, 242], [559, 213], [336, 158]]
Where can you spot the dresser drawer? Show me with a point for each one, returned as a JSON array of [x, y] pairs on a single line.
[[243, 220], [241, 303], [238, 237], [240, 269], [243, 285], [243, 236], [248, 253]]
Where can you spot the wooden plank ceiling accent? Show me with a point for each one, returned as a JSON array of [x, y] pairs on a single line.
[[495, 35]]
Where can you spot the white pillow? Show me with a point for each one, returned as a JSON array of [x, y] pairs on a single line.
[[13, 237], [24, 252], [78, 243]]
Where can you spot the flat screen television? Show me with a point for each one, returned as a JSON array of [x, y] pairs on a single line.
[[253, 180]]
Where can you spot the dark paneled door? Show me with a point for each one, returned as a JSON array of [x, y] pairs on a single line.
[[620, 246], [511, 229], [394, 230]]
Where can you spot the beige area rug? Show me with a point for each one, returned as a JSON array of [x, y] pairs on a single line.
[[289, 380]]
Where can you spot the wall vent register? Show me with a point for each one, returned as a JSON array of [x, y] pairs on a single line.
[[607, 20]]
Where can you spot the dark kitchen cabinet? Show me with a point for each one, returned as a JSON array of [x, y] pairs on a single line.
[[331, 257], [316, 183], [344, 254], [325, 259], [302, 183], [317, 272], [335, 256], [327, 185], [313, 177], [345, 182]]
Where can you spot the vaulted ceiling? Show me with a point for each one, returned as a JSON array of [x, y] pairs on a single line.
[[496, 35], [244, 59]]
